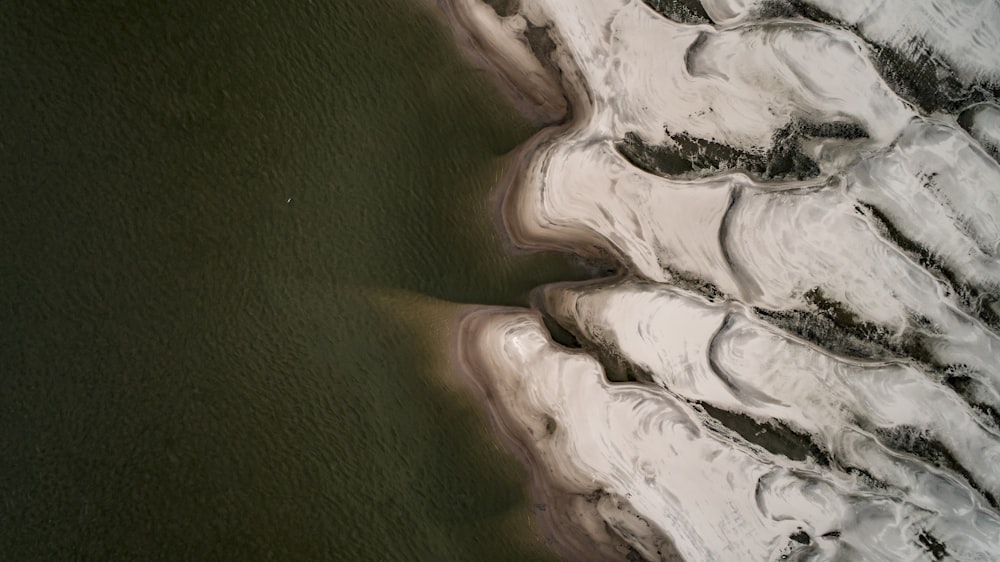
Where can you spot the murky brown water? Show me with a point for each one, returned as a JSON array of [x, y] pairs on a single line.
[[196, 201]]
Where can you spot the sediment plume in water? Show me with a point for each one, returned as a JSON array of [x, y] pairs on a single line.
[[799, 354]]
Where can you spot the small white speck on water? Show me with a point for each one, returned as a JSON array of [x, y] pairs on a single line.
[[289, 201]]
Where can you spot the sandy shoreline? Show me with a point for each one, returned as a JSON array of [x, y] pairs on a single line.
[[566, 518], [620, 467]]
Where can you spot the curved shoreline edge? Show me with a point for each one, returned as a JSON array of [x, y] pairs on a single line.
[[565, 518], [546, 101], [581, 518], [569, 518], [498, 46]]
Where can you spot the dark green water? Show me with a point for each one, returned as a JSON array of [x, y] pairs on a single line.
[[189, 366]]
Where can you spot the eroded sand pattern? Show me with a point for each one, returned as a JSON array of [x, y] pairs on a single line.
[[797, 355]]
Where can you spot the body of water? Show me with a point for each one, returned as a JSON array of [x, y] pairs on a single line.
[[196, 201]]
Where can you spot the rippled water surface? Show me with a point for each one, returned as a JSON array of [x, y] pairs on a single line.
[[204, 208]]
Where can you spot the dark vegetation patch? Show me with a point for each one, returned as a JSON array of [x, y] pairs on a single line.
[[662, 160], [680, 11], [832, 326], [911, 344], [832, 130], [692, 284], [979, 303], [866, 478], [784, 9], [784, 160], [987, 414], [542, 46], [836, 312], [921, 77], [504, 8], [823, 331], [918, 253], [801, 537], [932, 545], [830, 535], [916, 73], [773, 436], [959, 380], [923, 444]]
